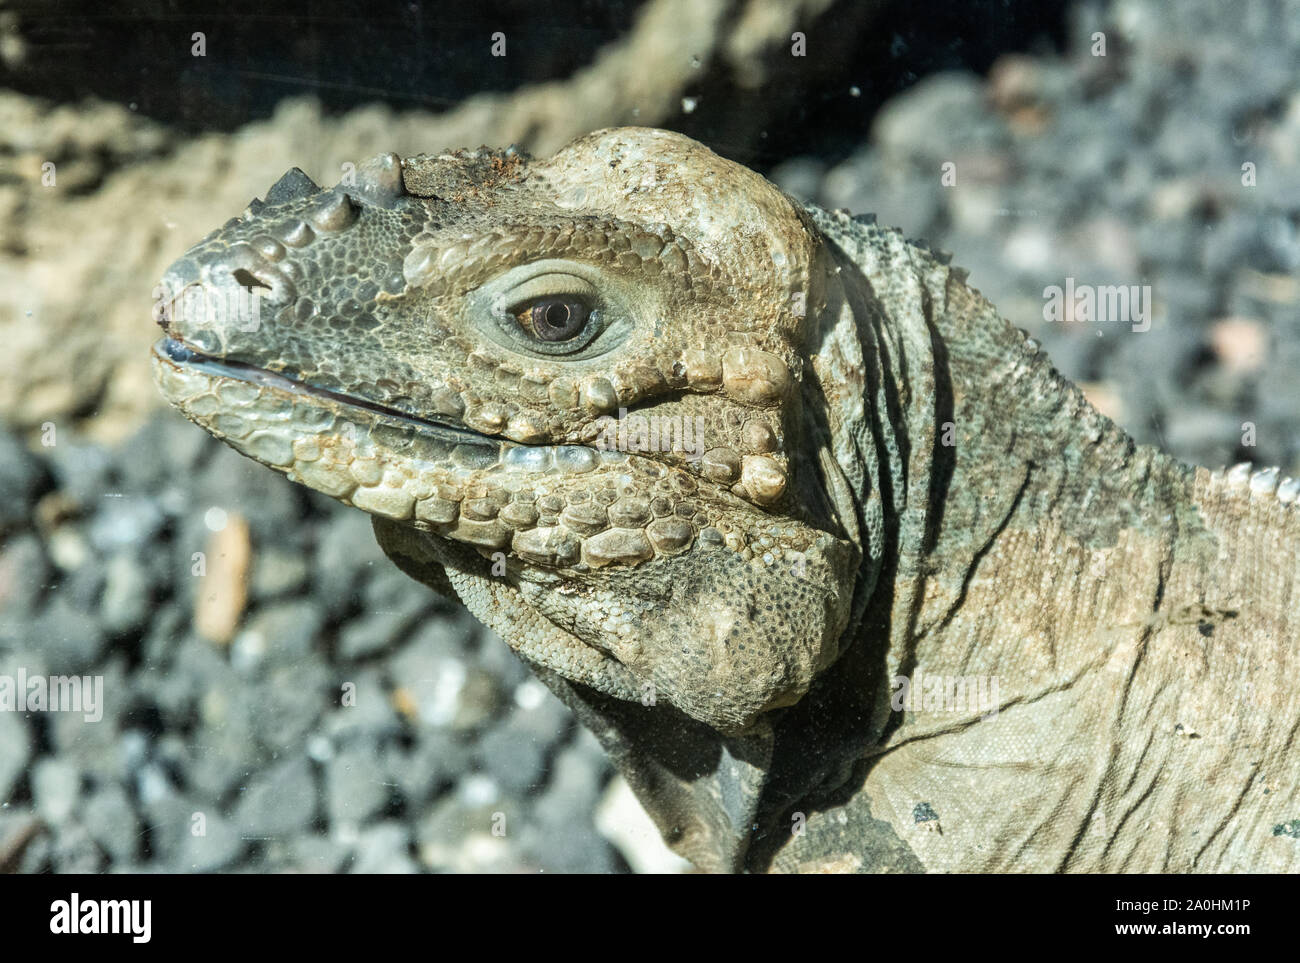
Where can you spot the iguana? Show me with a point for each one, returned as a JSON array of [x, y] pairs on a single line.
[[732, 474]]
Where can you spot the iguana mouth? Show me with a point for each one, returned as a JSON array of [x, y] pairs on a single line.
[[182, 354], [487, 492]]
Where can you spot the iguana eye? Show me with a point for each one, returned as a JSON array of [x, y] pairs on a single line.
[[554, 319], [566, 310]]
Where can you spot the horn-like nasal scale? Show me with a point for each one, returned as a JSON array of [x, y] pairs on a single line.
[[292, 186]]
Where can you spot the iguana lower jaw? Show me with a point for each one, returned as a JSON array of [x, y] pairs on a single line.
[[397, 356]]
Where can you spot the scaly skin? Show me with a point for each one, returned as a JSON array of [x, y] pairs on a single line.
[[887, 479]]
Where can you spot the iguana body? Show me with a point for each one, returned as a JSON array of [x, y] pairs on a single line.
[[887, 481]]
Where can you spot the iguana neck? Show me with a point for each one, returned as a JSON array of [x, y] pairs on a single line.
[[993, 471]]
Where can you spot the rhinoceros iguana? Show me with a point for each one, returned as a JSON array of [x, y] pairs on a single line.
[[841, 572]]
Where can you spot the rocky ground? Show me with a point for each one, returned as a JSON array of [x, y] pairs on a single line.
[[311, 709]]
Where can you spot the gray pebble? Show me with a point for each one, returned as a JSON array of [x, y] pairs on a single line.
[[81, 471], [21, 478], [69, 638], [277, 801], [15, 751], [74, 851], [217, 846], [124, 521], [384, 848], [24, 574], [125, 604], [356, 786], [308, 853], [437, 758], [277, 573], [111, 822], [362, 709], [56, 787], [345, 552]]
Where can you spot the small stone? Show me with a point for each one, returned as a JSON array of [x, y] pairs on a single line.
[[112, 823], [125, 522], [24, 572], [21, 477], [282, 633], [437, 758], [224, 592], [309, 853], [369, 714], [384, 848], [56, 787], [1241, 344], [277, 573], [345, 551], [356, 787], [514, 759], [81, 471], [70, 640], [392, 603], [74, 851], [278, 801], [219, 846], [126, 603]]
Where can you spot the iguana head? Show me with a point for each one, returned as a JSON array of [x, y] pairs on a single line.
[[579, 385]]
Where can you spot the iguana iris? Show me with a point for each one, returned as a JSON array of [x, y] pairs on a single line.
[[837, 472]]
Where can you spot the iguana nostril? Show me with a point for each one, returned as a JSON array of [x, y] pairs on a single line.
[[246, 279]]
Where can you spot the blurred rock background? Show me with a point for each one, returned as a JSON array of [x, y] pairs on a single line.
[[225, 693]]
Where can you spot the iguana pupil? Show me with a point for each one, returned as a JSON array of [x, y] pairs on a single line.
[[553, 320]]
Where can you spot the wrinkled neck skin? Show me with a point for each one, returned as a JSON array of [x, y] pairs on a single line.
[[1068, 586]]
